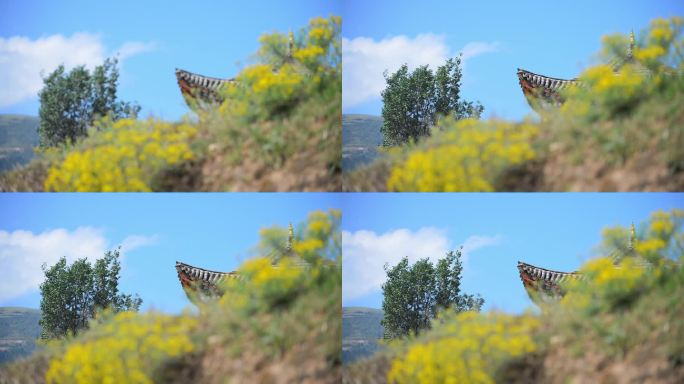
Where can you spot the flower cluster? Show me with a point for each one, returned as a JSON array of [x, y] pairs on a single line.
[[467, 156], [465, 348], [624, 299], [613, 89], [121, 156], [285, 107], [266, 281], [265, 284], [282, 300], [289, 72], [124, 349]]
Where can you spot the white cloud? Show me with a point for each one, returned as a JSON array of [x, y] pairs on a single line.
[[22, 60], [477, 48], [132, 48], [365, 60], [476, 242], [365, 253], [22, 253], [136, 241]]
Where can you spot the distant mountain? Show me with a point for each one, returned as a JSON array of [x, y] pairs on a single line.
[[361, 137], [361, 330], [18, 136], [19, 330]]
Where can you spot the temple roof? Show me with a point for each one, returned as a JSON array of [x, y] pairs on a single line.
[[202, 281], [543, 282], [205, 284], [207, 89], [202, 87], [544, 89]]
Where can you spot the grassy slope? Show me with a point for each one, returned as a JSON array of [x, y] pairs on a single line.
[[360, 138], [18, 136], [360, 330], [18, 330]]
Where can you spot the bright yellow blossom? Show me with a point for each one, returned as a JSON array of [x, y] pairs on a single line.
[[123, 157]]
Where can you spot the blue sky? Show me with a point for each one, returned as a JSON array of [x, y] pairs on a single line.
[[557, 231], [218, 231], [554, 38], [213, 231], [214, 38]]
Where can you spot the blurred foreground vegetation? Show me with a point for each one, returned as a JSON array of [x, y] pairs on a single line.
[[277, 130], [622, 129], [623, 322], [278, 323]]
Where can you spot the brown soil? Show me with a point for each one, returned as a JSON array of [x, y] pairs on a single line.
[[30, 178], [561, 365], [371, 178], [373, 370], [305, 172], [303, 364], [641, 173]]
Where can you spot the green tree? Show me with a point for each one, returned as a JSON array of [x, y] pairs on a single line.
[[72, 294], [414, 294], [70, 102], [413, 101]]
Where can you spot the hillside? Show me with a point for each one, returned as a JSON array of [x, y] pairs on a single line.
[[18, 331], [361, 137], [361, 329], [18, 136]]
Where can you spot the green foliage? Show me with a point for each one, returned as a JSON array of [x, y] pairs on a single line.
[[614, 89], [465, 347], [275, 323], [72, 294], [290, 310], [619, 130], [624, 305], [122, 348], [467, 156], [414, 294], [625, 312], [70, 102], [121, 156], [283, 113], [413, 101], [281, 83], [286, 292], [278, 129], [618, 115]]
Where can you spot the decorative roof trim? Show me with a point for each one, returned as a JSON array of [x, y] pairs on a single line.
[[546, 274], [539, 88], [203, 87], [545, 282], [204, 279]]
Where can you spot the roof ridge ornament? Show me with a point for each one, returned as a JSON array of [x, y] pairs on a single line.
[[543, 91], [290, 44], [290, 237], [632, 238], [630, 50]]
